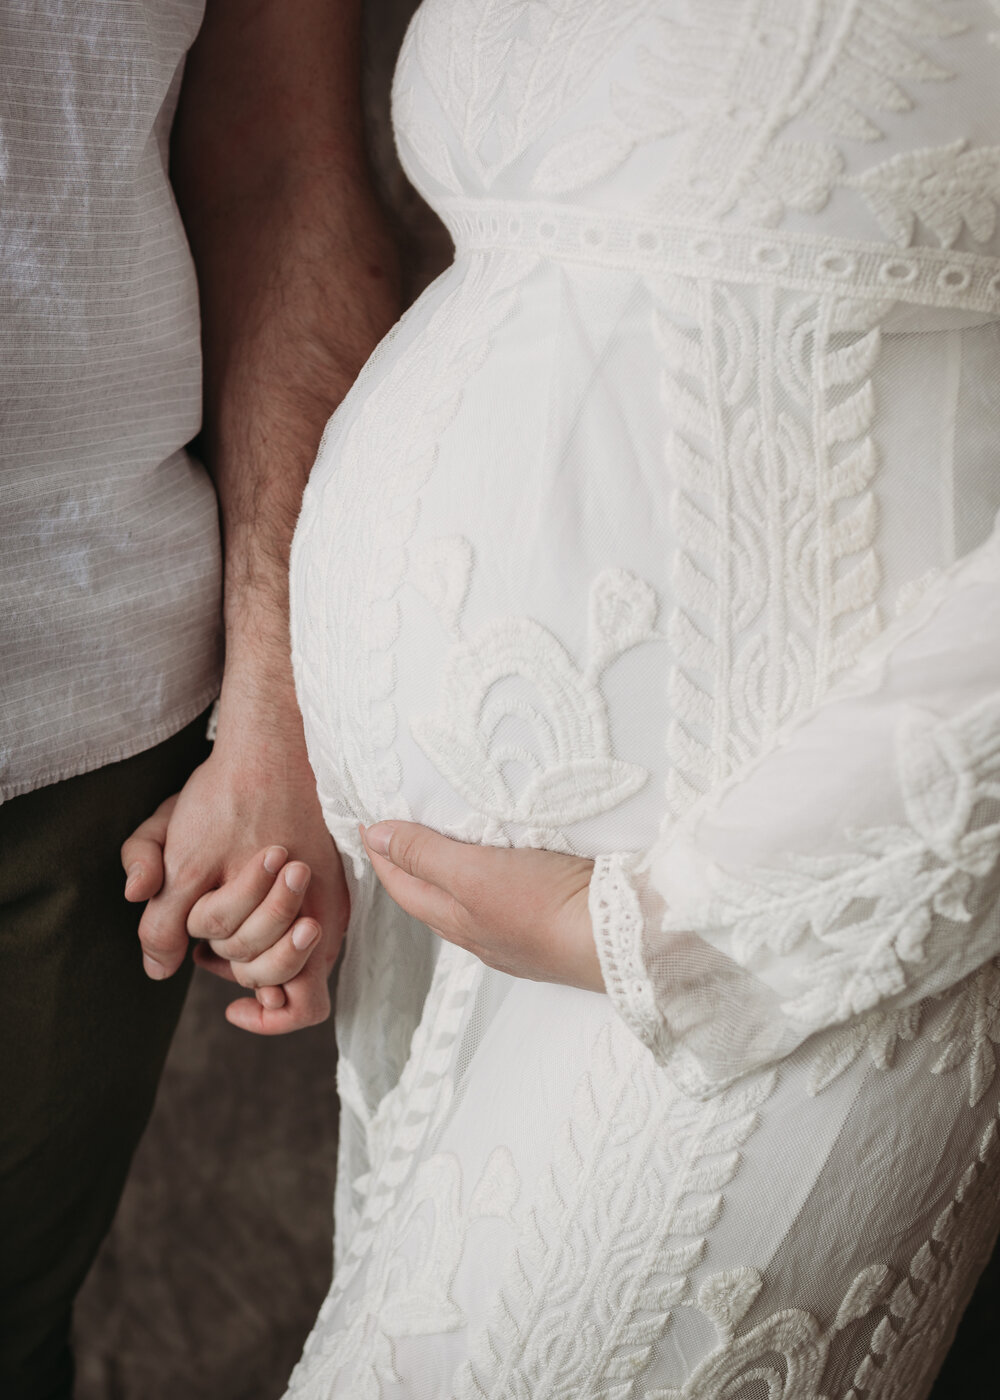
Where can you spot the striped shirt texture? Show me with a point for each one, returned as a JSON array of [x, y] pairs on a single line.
[[110, 635]]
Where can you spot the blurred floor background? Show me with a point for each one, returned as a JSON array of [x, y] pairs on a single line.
[[221, 1251]]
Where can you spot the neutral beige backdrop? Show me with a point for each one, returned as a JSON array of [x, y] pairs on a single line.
[[221, 1252]]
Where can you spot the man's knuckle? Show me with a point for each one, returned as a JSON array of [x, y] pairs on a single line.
[[189, 873], [158, 939], [239, 949], [217, 925]]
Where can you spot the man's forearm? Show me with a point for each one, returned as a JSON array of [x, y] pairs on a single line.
[[298, 281]]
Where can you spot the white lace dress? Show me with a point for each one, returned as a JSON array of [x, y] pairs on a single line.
[[660, 530]]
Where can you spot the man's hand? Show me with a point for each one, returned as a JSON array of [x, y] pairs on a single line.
[[204, 838], [298, 282], [523, 912]]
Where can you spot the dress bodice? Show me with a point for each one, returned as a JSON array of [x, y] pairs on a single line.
[[741, 136]]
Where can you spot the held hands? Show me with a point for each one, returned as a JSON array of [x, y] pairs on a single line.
[[523, 912], [252, 926], [270, 924]]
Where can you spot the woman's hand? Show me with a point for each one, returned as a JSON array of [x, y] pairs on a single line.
[[249, 930], [523, 912]]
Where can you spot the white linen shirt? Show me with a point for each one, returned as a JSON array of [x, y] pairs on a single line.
[[109, 541]]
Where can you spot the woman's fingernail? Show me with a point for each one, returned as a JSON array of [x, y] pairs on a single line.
[[304, 936], [132, 876], [275, 859], [377, 838], [297, 878], [153, 969]]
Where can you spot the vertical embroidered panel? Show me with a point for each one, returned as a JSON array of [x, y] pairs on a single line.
[[769, 404], [633, 1188]]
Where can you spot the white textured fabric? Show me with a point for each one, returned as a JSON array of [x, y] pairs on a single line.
[[603, 553], [109, 550]]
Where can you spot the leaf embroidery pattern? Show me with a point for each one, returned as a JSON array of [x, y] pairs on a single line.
[[921, 1311], [503, 72], [879, 1033], [782, 61], [725, 85], [515, 670], [872, 907], [640, 111], [401, 1182], [868, 62], [349, 618], [971, 1029], [968, 1031], [410, 1272], [633, 1188], [553, 62], [945, 189], [465, 50], [769, 406]]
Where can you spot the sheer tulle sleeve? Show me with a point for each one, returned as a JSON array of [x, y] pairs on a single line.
[[854, 869]]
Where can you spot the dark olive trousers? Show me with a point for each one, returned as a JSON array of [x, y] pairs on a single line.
[[83, 1038]]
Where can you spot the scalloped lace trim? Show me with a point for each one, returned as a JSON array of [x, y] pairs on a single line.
[[617, 918]]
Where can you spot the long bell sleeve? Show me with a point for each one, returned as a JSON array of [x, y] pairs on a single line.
[[853, 868]]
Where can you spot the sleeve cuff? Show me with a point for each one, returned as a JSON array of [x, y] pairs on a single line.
[[619, 923]]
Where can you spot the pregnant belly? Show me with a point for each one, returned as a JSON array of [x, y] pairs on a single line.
[[478, 576]]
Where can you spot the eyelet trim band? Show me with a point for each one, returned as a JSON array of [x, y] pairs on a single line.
[[926, 276]]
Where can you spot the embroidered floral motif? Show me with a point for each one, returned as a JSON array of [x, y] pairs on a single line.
[[723, 84], [510, 69], [736, 80], [562, 46], [567, 771], [779, 62], [787, 1354]]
